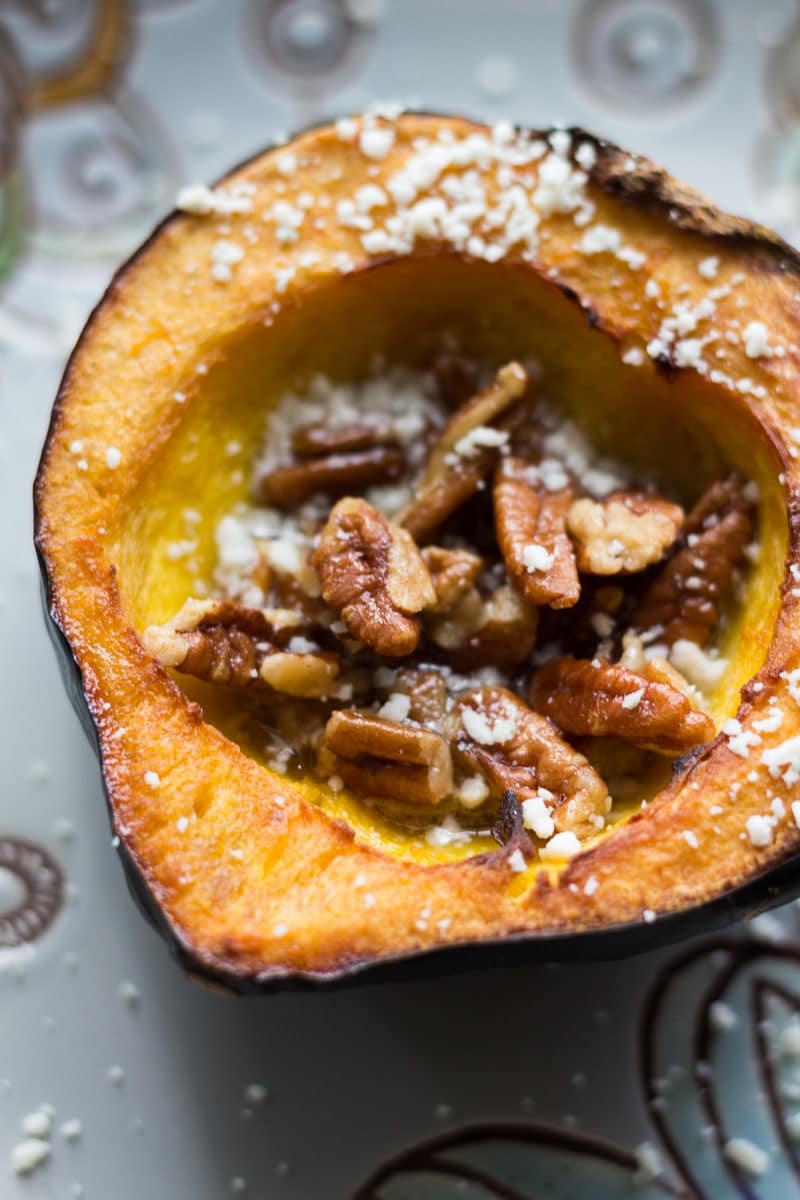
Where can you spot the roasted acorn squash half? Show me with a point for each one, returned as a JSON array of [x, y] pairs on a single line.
[[600, 334]]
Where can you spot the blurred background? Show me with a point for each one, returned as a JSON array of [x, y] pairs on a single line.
[[106, 108]]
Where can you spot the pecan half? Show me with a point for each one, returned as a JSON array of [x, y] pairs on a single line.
[[320, 438], [227, 644], [287, 487], [387, 759], [453, 573], [601, 699], [518, 749], [531, 530], [625, 532], [373, 575], [685, 598], [465, 453], [495, 630]]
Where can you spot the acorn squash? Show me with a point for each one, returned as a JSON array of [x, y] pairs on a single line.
[[546, 282]]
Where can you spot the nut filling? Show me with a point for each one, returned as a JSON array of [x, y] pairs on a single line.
[[415, 609]]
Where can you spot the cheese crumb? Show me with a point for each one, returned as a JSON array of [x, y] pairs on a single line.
[[152, 779], [563, 845], [708, 267], [27, 1155], [633, 699], [113, 458], [536, 815], [396, 708], [747, 1156], [759, 830], [516, 861], [756, 340], [72, 1130], [376, 142], [536, 558], [477, 726], [38, 1123], [473, 791]]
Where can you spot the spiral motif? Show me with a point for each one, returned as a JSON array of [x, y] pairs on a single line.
[[645, 55], [31, 892], [306, 40]]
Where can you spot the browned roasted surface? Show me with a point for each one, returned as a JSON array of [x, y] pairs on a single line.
[[686, 596], [602, 699], [372, 573], [453, 573], [525, 514]]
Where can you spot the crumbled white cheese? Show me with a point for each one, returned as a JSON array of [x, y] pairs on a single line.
[[449, 833], [152, 779], [478, 727], [747, 1156], [633, 699], [113, 458], [759, 830], [71, 1130], [376, 141], [586, 156], [39, 1123], [633, 356], [723, 1018], [129, 993], [396, 708], [708, 267], [702, 668], [591, 886], [27, 1155], [690, 838], [648, 916], [199, 200], [516, 860], [793, 680], [740, 741], [648, 1163], [225, 254], [536, 815], [771, 722], [562, 845], [783, 760], [536, 558], [756, 340], [480, 437], [472, 792]]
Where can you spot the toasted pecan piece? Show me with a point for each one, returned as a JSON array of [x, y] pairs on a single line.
[[531, 531], [427, 692], [377, 757], [373, 575], [320, 438], [685, 598], [604, 699], [287, 487], [453, 573], [624, 533], [518, 749], [465, 453], [494, 630], [228, 644]]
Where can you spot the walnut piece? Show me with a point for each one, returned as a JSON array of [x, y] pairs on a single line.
[[427, 692], [372, 574], [465, 453], [518, 749], [453, 573], [625, 532], [225, 643], [287, 487], [377, 757], [495, 630], [607, 700], [685, 598], [531, 531]]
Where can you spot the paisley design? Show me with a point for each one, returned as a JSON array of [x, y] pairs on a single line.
[[305, 39], [37, 895], [719, 1061]]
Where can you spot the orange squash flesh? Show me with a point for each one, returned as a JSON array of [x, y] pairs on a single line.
[[259, 879]]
